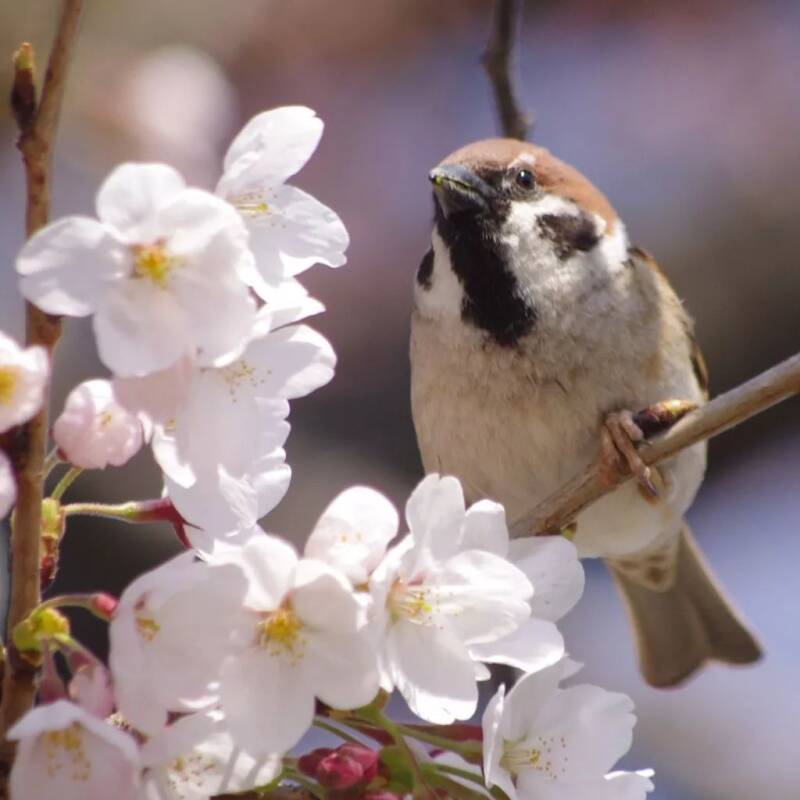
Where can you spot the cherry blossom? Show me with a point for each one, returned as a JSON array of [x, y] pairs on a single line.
[[93, 430], [546, 743], [169, 636], [66, 752], [289, 229], [160, 272], [299, 635], [8, 486], [196, 758], [23, 377], [435, 600]]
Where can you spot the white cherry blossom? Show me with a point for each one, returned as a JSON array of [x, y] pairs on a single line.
[[23, 377], [160, 271], [546, 743], [551, 564], [196, 758], [65, 752], [289, 229], [435, 600], [93, 430], [300, 635], [353, 532], [169, 636]]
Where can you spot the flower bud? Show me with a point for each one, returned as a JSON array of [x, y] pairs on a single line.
[[308, 763], [52, 530], [380, 794], [368, 759], [103, 605], [339, 771], [93, 430]]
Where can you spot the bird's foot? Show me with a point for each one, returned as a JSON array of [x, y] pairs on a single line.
[[618, 439]]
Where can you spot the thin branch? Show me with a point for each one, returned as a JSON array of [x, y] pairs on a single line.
[[723, 412], [497, 63], [36, 144]]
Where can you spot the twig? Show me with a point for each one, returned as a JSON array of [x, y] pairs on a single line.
[[723, 412], [497, 63], [37, 133]]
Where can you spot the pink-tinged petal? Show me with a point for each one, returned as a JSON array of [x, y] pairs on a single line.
[[8, 486], [354, 531], [68, 266], [271, 564], [343, 670], [485, 528], [293, 232], [593, 727], [159, 395], [527, 700], [291, 362], [270, 148], [552, 566], [534, 645], [131, 196], [141, 329], [27, 372], [267, 706], [323, 598], [433, 672], [435, 514]]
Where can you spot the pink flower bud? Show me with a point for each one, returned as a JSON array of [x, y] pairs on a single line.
[[337, 771], [368, 759], [93, 430], [103, 605], [308, 763]]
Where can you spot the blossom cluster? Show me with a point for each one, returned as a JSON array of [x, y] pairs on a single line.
[[223, 658]]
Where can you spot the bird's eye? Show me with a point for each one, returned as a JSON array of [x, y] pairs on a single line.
[[524, 178]]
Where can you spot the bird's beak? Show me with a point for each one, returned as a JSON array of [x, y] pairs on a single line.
[[459, 189]]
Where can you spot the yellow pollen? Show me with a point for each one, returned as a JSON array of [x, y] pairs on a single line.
[[151, 262], [9, 377], [413, 603], [63, 749], [240, 373], [147, 628], [280, 634], [250, 205]]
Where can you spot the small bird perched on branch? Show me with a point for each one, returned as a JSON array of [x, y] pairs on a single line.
[[537, 331]]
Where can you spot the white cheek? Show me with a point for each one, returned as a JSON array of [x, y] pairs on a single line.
[[444, 296]]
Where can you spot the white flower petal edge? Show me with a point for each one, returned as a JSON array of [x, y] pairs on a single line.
[[23, 376], [66, 752], [8, 486]]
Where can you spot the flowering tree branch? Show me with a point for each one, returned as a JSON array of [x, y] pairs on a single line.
[[37, 124], [497, 63], [723, 412]]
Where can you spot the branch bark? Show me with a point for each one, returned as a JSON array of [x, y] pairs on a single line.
[[38, 125], [723, 412], [497, 63]]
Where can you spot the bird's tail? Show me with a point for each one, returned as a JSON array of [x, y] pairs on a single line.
[[681, 627]]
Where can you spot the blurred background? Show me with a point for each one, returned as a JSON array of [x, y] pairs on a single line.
[[686, 114]]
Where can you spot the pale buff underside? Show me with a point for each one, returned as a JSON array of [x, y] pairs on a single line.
[[514, 424]]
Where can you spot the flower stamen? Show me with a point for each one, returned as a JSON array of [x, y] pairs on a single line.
[[9, 378], [280, 634], [152, 262]]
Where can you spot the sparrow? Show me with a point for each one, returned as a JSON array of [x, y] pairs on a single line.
[[537, 331]]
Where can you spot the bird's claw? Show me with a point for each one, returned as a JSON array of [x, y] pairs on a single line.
[[618, 438]]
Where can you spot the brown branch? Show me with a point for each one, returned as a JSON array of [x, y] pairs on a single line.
[[497, 63], [37, 134], [723, 412]]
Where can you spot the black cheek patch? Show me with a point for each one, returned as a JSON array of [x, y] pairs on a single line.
[[425, 271], [569, 233]]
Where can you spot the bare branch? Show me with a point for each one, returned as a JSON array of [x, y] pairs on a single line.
[[497, 63], [27, 453], [720, 414]]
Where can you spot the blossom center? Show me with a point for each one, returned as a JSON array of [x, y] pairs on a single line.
[[239, 373], [413, 602], [9, 378], [280, 633], [152, 262], [147, 628], [250, 205], [541, 754], [64, 748]]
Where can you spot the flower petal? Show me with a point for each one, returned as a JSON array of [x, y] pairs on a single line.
[[8, 486], [527, 700], [323, 598], [435, 514], [534, 645], [68, 266], [131, 196], [270, 148], [485, 528]]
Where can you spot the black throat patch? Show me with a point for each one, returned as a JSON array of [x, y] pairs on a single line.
[[492, 300]]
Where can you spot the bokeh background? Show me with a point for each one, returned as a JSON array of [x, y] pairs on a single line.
[[687, 114]]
